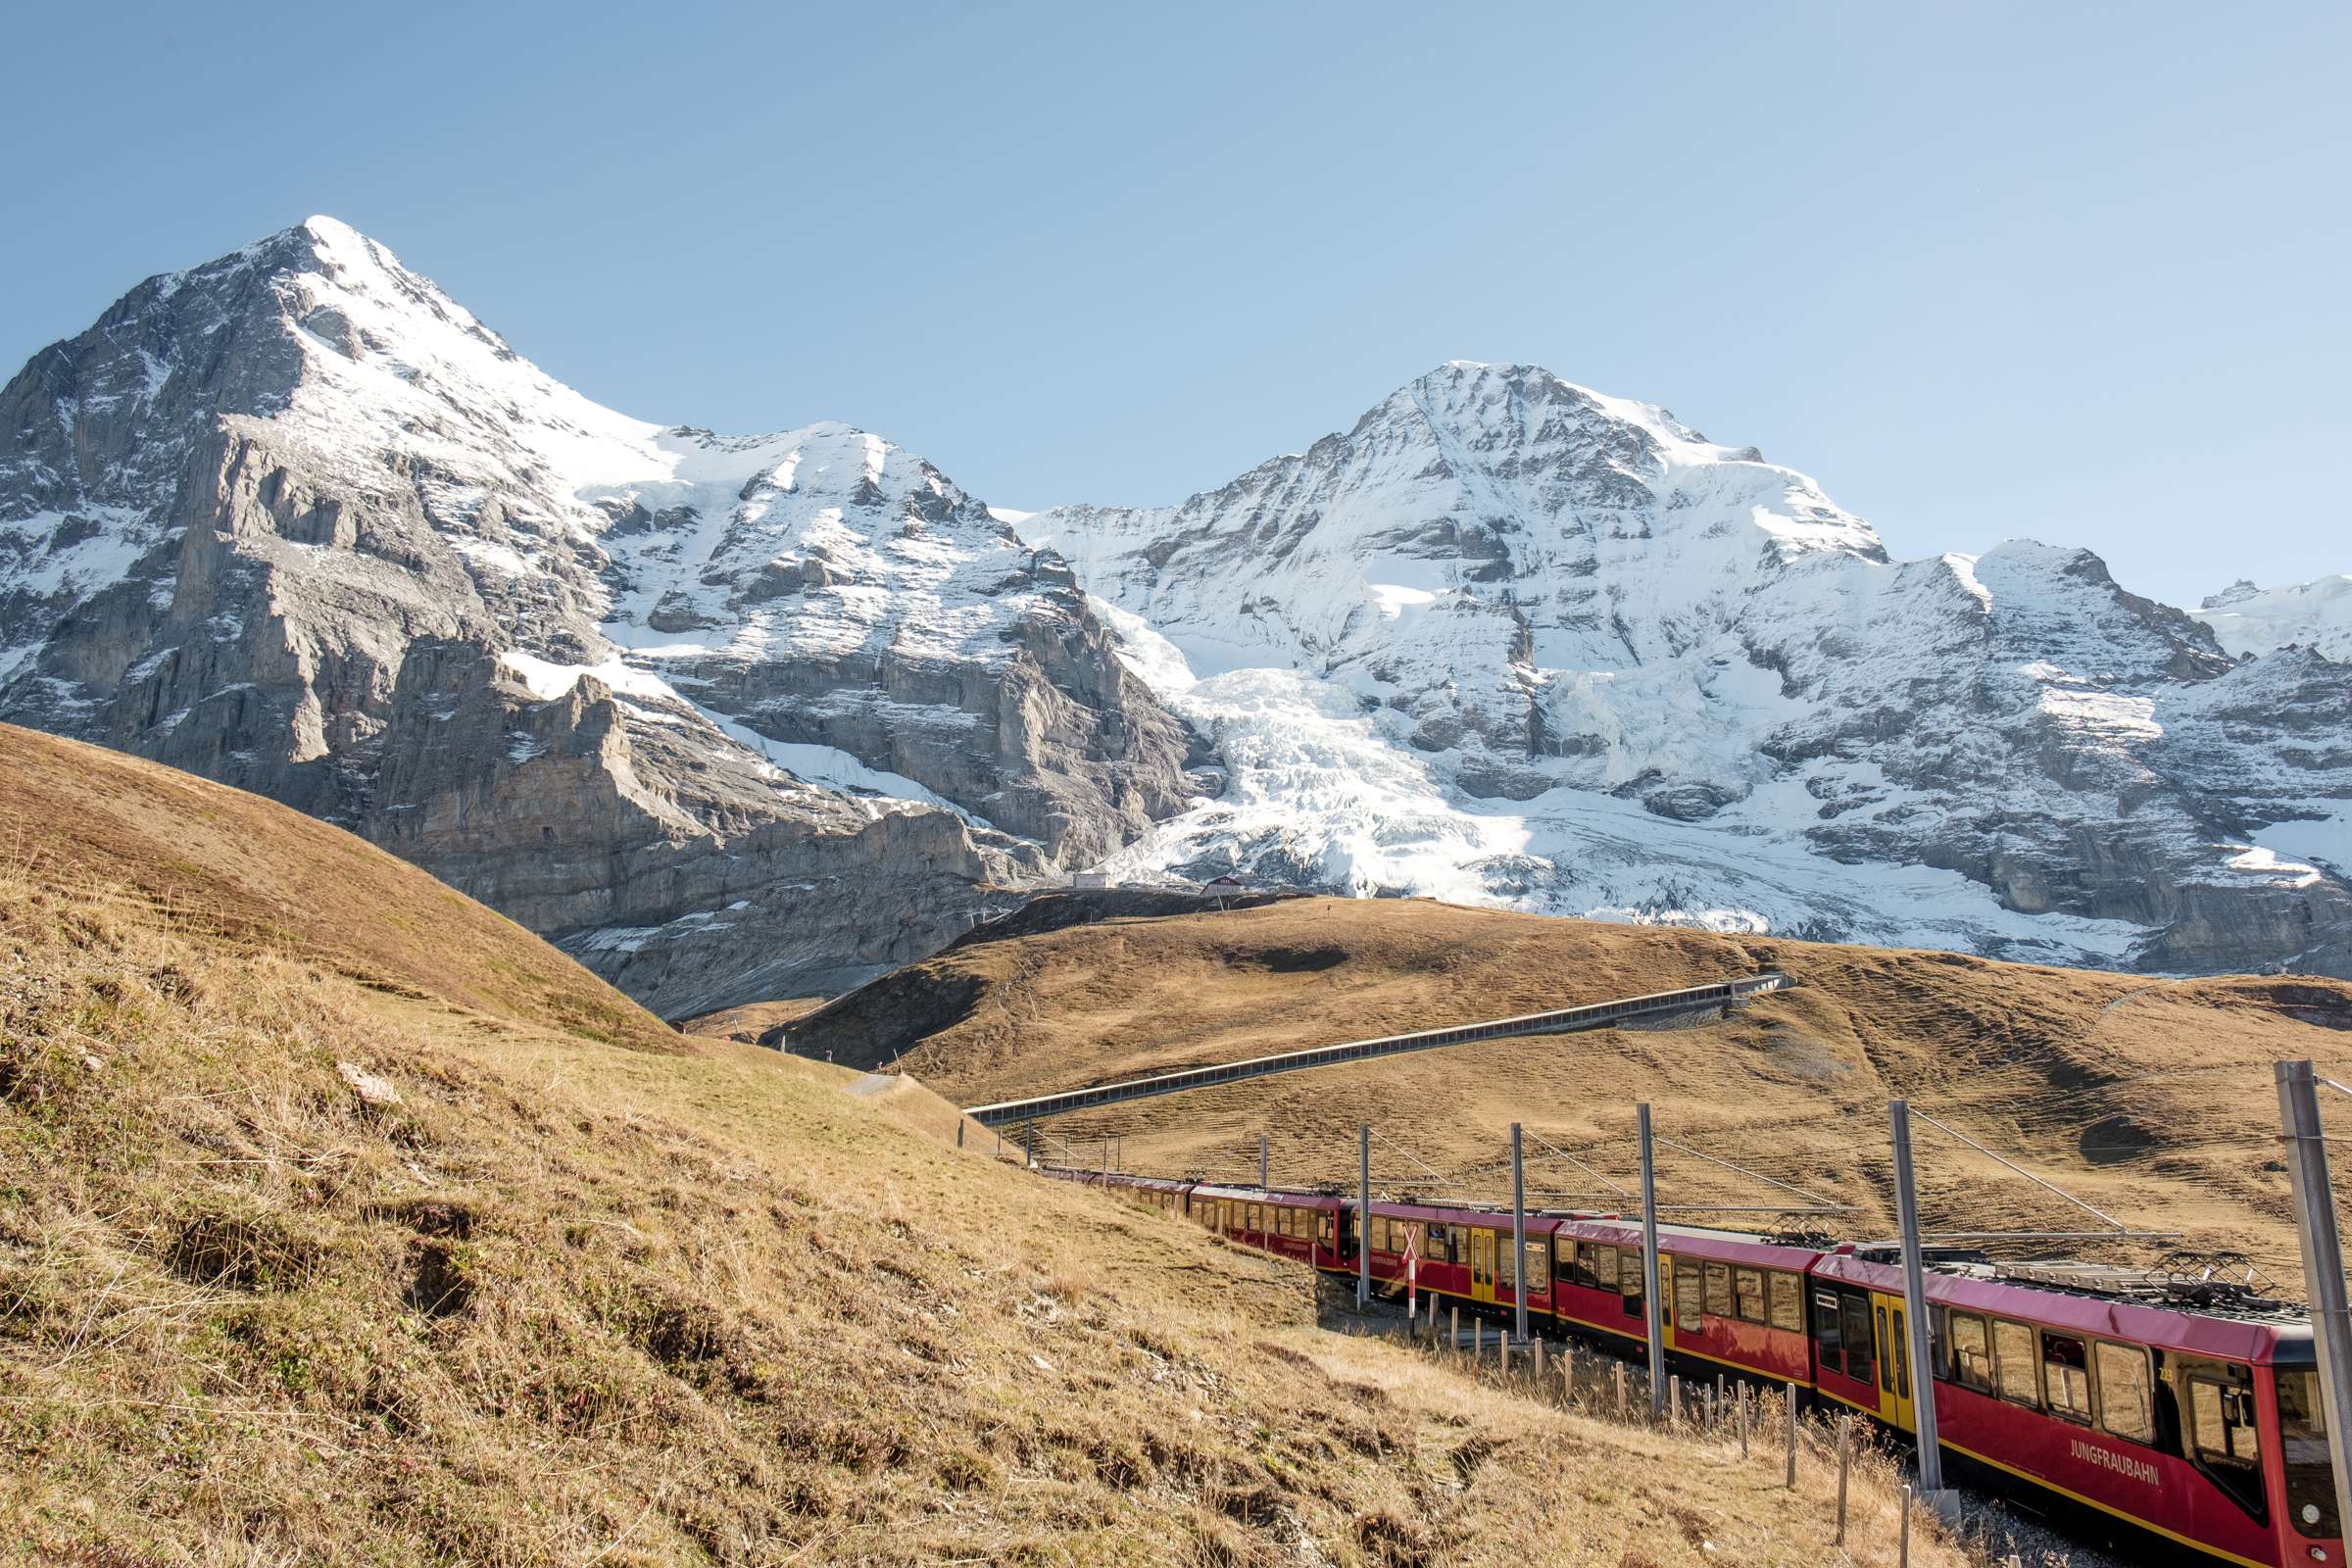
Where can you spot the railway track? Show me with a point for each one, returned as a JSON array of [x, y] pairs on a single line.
[[1559, 1021]]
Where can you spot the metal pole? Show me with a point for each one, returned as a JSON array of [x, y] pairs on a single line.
[[2323, 1264], [1363, 1216], [1262, 1184], [1915, 1304], [1651, 1310], [1518, 1244]]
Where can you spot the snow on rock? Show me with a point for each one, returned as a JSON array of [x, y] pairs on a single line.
[[1509, 639], [2250, 621], [298, 521]]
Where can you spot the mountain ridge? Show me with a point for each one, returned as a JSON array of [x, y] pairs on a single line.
[[282, 518], [738, 716]]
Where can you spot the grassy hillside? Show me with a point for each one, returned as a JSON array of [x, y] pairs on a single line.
[[2150, 1098], [342, 1223]]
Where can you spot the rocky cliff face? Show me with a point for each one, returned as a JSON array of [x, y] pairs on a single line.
[[1510, 639], [727, 717]]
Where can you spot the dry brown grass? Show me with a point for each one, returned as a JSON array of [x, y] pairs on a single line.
[[747, 1024], [566, 1302], [2150, 1098]]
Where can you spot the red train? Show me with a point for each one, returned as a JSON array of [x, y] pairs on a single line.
[[2179, 1428]]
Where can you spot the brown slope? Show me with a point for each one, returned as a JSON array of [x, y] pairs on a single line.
[[2149, 1098], [525, 1293], [270, 879]]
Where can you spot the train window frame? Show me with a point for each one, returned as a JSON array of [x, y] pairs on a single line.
[[1326, 1227], [1793, 1299], [1538, 1266], [1598, 1251], [1969, 1369], [1506, 1266], [2062, 1380], [1716, 1279], [2101, 1353], [1827, 1330], [2028, 1362], [1883, 1340], [1690, 1295], [2241, 1476], [1433, 1245], [1747, 1287], [1852, 1305]]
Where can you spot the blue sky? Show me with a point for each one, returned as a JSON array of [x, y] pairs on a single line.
[[1984, 271]]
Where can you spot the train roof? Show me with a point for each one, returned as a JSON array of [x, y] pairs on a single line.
[[2093, 1299]]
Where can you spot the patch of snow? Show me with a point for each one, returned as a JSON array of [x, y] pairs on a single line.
[[2248, 621]]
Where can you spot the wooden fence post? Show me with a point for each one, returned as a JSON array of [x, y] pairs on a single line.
[[1539, 1372], [1620, 1391], [1454, 1329], [1743, 1420], [1674, 1389], [1845, 1459], [1792, 1414], [1902, 1552]]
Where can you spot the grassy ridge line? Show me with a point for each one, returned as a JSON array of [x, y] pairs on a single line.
[[2151, 1098], [273, 880], [298, 1267]]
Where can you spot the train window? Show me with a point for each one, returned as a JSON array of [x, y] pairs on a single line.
[[1563, 1258], [1885, 1342], [1829, 1346], [1598, 1264], [1505, 1274], [1688, 1301], [1323, 1227], [2125, 1407], [1539, 1267], [2013, 1363], [2223, 1438], [1628, 1288], [2066, 1375], [1971, 1352], [1432, 1245], [1855, 1329], [1788, 1302], [2223, 1420], [1719, 1290], [2303, 1440], [1748, 1291]]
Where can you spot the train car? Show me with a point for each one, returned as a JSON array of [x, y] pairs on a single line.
[[1316, 1228], [1463, 1255], [2188, 1431], [1729, 1301]]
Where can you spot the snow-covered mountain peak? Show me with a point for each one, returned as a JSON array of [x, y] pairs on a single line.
[[2251, 621]]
